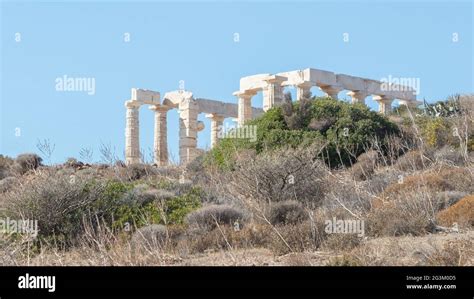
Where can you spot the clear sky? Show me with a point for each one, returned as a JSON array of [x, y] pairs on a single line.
[[196, 42]]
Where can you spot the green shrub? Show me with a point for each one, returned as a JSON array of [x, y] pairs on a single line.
[[177, 208], [346, 128], [436, 131]]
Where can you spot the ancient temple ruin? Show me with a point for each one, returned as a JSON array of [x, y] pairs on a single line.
[[271, 86]]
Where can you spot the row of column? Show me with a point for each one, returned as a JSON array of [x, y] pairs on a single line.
[[273, 94], [132, 134], [189, 126]]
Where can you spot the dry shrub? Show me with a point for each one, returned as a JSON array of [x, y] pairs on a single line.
[[454, 253], [5, 166], [226, 238], [382, 178], [209, 217], [287, 212], [446, 199], [345, 192], [365, 166], [143, 194], [280, 240], [151, 236], [73, 163], [305, 236], [135, 172], [413, 160], [341, 242], [447, 179], [462, 213], [283, 174], [346, 260], [8, 183], [58, 203], [26, 162], [409, 216], [450, 156]]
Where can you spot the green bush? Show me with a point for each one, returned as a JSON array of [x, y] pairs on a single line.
[[139, 207], [436, 131], [346, 128], [177, 208]]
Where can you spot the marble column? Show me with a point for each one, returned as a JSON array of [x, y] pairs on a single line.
[[385, 103], [273, 93], [302, 89], [160, 144], [216, 126], [244, 106], [357, 96], [132, 133], [188, 113]]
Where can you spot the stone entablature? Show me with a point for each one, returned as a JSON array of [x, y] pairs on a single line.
[[330, 83]]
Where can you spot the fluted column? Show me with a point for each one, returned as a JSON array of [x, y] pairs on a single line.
[[302, 89], [132, 133], [357, 96], [331, 91], [273, 93], [244, 106], [160, 144], [385, 103], [216, 126], [188, 128]]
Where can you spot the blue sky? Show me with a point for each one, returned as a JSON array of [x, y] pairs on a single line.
[[194, 42]]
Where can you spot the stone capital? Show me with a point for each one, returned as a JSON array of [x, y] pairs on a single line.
[[215, 117], [302, 89], [246, 94], [331, 90], [382, 98], [385, 103], [160, 108], [275, 79], [358, 94], [132, 104], [304, 84]]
